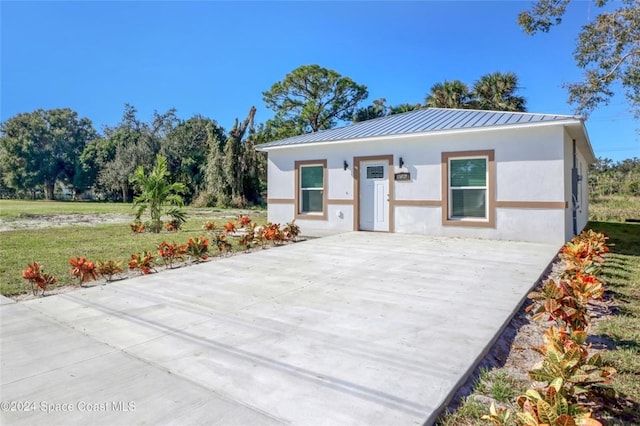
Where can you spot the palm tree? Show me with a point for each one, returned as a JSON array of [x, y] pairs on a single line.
[[158, 195], [496, 91], [449, 94], [399, 109]]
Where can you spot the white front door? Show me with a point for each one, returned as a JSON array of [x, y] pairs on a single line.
[[374, 196]]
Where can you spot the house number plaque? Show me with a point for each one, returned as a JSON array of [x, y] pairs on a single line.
[[403, 176]]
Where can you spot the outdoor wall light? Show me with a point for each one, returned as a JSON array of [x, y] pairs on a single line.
[[401, 162], [345, 165]]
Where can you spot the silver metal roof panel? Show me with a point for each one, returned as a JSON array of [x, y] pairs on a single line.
[[420, 121]]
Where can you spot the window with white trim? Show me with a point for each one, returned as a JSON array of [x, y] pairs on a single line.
[[311, 188], [468, 187]]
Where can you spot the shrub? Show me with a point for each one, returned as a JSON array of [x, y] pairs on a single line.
[[230, 228], [173, 225], [249, 237], [109, 268], [222, 244], [142, 262], [36, 278], [83, 269], [291, 230], [551, 408], [210, 226], [260, 236], [198, 248], [169, 253], [274, 233], [561, 302], [567, 367], [137, 227], [243, 221]]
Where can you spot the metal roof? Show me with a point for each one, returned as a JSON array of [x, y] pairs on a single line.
[[421, 121]]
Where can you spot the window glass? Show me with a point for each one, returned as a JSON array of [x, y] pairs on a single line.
[[312, 201], [375, 172], [468, 172], [311, 176], [468, 203], [468, 188], [311, 189]]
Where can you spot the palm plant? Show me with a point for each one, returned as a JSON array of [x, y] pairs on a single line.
[[158, 195], [449, 94], [496, 91]]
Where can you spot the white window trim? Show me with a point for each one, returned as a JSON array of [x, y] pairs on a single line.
[[451, 188], [301, 189]]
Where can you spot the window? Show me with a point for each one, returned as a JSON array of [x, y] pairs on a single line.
[[468, 188], [375, 172], [311, 189], [468, 197]]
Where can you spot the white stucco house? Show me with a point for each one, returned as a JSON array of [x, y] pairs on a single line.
[[445, 172]]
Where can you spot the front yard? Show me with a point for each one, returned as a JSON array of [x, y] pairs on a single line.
[[38, 232]]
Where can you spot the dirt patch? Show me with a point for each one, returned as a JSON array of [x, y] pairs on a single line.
[[39, 221]]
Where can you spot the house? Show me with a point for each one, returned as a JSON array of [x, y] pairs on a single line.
[[442, 172]]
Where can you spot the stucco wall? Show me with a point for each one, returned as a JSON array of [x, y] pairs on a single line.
[[530, 167], [582, 212]]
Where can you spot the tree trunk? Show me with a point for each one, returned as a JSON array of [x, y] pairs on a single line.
[[125, 191], [48, 190]]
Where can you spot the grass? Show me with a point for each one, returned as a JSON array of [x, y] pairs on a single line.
[[53, 247], [17, 209], [614, 208], [621, 275]]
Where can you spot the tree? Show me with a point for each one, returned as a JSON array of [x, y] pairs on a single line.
[[314, 98], [157, 194], [234, 158], [43, 147], [496, 91], [375, 110], [186, 149], [402, 108], [608, 50], [449, 94], [136, 143], [95, 155]]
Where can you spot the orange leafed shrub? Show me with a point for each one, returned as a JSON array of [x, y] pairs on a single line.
[[230, 228], [83, 269], [243, 220], [171, 252], [36, 278], [109, 268], [210, 226], [198, 248], [137, 227], [142, 262]]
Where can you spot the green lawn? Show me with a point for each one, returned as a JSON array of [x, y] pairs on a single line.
[[52, 247], [614, 208], [17, 209]]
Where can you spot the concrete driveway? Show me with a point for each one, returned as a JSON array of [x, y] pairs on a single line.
[[357, 328]]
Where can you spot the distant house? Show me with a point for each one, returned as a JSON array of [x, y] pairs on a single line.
[[458, 173]]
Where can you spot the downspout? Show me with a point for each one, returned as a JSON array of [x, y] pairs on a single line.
[[574, 189]]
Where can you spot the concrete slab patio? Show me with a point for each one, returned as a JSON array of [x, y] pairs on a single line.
[[356, 328]]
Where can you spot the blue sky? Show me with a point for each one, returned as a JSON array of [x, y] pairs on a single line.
[[216, 58]]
